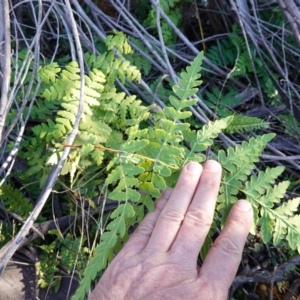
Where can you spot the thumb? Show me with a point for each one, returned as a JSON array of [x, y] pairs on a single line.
[[223, 259]]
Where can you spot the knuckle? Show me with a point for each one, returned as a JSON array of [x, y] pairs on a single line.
[[210, 183], [211, 291], [186, 184], [160, 203], [227, 246], [172, 216], [199, 216], [238, 221], [145, 229]]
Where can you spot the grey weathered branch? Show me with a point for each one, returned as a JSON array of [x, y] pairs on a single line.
[[280, 273], [56, 169], [5, 62]]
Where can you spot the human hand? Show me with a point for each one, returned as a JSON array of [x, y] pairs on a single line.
[[160, 259]]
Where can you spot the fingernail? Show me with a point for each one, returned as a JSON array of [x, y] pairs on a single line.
[[243, 205], [167, 193], [212, 166], [193, 167]]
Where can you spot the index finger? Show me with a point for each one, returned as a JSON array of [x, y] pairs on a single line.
[[223, 259]]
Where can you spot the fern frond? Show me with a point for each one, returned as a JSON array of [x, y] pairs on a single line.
[[14, 200], [237, 165], [242, 66], [241, 123], [49, 72], [115, 67], [136, 59], [118, 41], [279, 223], [290, 226], [221, 102], [203, 138], [103, 255], [187, 84], [225, 53], [259, 185]]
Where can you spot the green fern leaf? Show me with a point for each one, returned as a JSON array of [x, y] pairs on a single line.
[[14, 200], [237, 165], [241, 123], [124, 209], [203, 138], [258, 185], [255, 190], [273, 195], [135, 146], [293, 236], [128, 194], [267, 224], [49, 72], [103, 254], [121, 171], [158, 181], [176, 115], [119, 41], [67, 115], [97, 155], [150, 189], [187, 83], [287, 223]]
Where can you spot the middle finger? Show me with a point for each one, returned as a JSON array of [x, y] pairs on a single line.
[[200, 213]]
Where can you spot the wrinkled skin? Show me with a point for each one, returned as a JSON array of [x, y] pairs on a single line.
[[160, 259]]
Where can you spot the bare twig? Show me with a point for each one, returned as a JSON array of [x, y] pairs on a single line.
[[56, 169], [162, 43], [5, 62]]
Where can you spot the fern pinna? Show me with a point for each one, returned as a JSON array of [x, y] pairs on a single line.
[[115, 151]]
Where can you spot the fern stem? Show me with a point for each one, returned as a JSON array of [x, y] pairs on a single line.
[[200, 26]]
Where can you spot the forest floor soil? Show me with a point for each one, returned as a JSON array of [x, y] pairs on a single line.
[[19, 282]]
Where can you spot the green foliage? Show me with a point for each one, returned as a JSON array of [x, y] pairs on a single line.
[[173, 8], [142, 164], [233, 54], [238, 163], [241, 123], [119, 41], [116, 152], [221, 103], [14, 201], [4, 230], [104, 110], [62, 252], [140, 170], [136, 59], [47, 269]]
